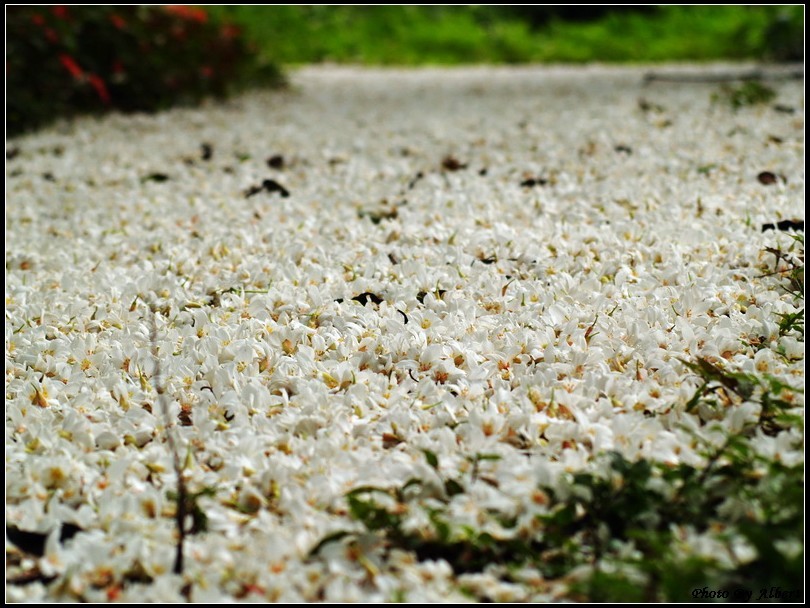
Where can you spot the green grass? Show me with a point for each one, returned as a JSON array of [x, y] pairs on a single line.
[[416, 35]]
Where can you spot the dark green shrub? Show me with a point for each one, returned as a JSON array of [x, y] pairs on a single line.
[[64, 60]]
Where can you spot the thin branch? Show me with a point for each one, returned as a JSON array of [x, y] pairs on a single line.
[[721, 77], [182, 492]]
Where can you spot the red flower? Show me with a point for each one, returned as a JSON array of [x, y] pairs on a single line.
[[187, 12], [50, 35], [229, 31], [60, 12], [101, 89], [71, 66], [118, 21], [179, 31], [37, 19], [207, 71]]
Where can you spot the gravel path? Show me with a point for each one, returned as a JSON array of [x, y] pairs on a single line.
[[482, 275]]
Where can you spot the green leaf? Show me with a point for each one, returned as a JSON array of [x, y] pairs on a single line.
[[372, 515], [480, 457], [431, 458], [367, 490], [453, 488], [329, 538], [442, 528]]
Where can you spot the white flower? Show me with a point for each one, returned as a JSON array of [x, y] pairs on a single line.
[[522, 332]]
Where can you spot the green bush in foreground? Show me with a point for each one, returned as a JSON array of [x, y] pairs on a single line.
[[64, 60], [730, 529], [636, 526]]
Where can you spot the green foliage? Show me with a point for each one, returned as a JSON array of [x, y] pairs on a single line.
[[413, 35], [634, 530], [674, 33], [388, 35], [646, 506], [722, 388], [791, 323], [64, 60], [374, 516], [750, 93], [789, 266]]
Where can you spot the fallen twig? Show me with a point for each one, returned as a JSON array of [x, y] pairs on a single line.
[[720, 77], [182, 492]]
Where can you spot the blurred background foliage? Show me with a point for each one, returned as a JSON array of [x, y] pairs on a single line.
[[416, 35], [64, 60]]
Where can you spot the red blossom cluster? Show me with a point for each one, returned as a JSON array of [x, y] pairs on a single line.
[[118, 21], [187, 12], [86, 58], [94, 80], [69, 62]]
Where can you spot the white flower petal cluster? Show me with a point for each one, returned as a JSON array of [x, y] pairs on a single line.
[[515, 332]]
